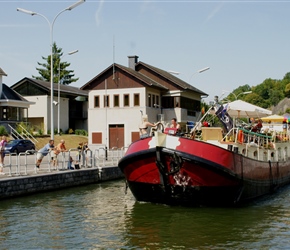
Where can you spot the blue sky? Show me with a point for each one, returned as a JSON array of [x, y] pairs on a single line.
[[243, 42]]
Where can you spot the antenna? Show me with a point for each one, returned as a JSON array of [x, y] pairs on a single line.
[[113, 57]]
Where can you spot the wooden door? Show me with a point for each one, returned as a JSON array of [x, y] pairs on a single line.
[[116, 136]]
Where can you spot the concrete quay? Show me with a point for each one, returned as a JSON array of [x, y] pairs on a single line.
[[22, 178]]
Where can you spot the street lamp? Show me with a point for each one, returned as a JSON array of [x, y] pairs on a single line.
[[236, 96], [199, 71], [58, 94], [50, 24]]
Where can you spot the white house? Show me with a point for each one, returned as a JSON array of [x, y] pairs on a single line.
[[72, 106], [119, 95], [13, 107]]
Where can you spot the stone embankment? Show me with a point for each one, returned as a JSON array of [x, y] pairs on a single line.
[[11, 186], [23, 178]]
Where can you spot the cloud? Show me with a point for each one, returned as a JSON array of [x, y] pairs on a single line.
[[98, 12], [214, 12]]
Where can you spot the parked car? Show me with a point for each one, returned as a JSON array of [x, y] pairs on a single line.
[[19, 145]]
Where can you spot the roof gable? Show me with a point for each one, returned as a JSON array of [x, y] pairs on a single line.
[[10, 94], [171, 78], [140, 74], [113, 69], [2, 73], [30, 86]]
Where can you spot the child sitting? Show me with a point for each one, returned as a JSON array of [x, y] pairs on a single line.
[[71, 162]]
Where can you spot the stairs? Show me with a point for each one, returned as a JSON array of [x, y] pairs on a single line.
[[24, 135]]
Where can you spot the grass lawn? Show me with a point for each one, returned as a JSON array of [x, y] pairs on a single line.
[[71, 141]]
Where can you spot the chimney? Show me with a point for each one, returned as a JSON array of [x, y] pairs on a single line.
[[133, 60], [2, 73]]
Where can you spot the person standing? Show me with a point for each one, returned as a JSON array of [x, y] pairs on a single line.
[[54, 153], [144, 127], [80, 151], [2, 148], [85, 151], [43, 152], [61, 147]]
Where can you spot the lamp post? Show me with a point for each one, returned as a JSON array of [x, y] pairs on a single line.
[[236, 96], [199, 71], [58, 94], [51, 24]]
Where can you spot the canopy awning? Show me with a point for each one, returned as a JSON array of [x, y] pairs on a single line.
[[242, 109]]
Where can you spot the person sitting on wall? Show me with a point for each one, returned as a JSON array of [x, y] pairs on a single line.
[[144, 127]]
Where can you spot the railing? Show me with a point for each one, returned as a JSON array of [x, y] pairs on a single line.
[[25, 135], [24, 163]]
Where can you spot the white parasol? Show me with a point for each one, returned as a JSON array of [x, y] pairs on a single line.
[[242, 109]]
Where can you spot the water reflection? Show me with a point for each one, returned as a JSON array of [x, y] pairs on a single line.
[[264, 224], [103, 217]]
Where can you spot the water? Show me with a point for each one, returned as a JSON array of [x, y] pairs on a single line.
[[101, 216]]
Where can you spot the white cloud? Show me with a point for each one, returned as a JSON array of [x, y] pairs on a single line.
[[214, 12], [99, 12]]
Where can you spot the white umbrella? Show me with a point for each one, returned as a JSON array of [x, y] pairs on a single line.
[[243, 109]]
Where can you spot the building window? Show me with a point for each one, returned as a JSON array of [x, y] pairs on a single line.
[[136, 100], [157, 100], [106, 101], [177, 101], [116, 101], [149, 100], [126, 100], [97, 102]]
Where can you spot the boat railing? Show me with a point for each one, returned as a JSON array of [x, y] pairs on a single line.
[[266, 139]]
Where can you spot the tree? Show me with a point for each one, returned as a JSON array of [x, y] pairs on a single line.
[[65, 76]]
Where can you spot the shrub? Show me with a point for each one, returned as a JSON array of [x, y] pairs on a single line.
[[3, 131], [70, 131], [81, 132]]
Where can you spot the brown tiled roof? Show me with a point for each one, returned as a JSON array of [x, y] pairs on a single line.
[[141, 77], [172, 78], [130, 71]]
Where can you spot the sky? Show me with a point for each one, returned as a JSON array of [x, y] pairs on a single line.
[[242, 42]]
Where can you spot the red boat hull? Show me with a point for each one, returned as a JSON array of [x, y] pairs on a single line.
[[197, 173]]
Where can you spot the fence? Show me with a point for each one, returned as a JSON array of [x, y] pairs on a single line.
[[25, 163]]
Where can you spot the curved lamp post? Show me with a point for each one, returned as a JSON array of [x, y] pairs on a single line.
[[236, 96], [51, 24], [199, 71], [58, 94]]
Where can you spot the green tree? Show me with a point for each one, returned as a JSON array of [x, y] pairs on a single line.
[[66, 76]]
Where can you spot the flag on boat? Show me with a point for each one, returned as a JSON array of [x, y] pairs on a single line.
[[224, 117]]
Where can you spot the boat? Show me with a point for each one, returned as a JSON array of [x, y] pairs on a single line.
[[224, 165]]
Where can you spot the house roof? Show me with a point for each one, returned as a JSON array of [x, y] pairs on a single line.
[[10, 94], [141, 77], [147, 80], [134, 73], [170, 77], [11, 98], [2, 73], [70, 90]]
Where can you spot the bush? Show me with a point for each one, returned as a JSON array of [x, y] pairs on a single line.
[[70, 131], [3, 131], [81, 132]]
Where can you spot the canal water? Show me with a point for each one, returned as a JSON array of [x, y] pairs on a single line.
[[101, 216]]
